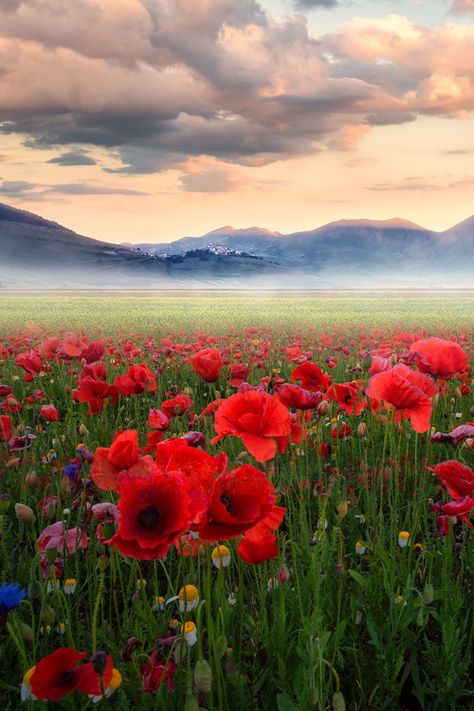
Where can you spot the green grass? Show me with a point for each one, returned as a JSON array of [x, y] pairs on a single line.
[[220, 313]]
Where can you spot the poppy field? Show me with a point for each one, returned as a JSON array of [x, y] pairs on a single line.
[[236, 503]]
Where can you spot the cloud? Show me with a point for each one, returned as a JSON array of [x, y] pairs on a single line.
[[22, 189], [462, 7], [313, 4], [209, 181], [77, 157], [156, 84]]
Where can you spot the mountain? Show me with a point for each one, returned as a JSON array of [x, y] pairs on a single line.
[[38, 253], [353, 253]]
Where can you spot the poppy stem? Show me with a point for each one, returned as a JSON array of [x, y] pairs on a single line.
[[96, 611]]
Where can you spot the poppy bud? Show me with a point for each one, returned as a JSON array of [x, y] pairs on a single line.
[[47, 615], [428, 594], [220, 646], [323, 408], [83, 430], [191, 703], [24, 513], [202, 677], [365, 362], [102, 562], [31, 478], [26, 632], [99, 662], [342, 510], [35, 589], [5, 501], [338, 702], [362, 430]]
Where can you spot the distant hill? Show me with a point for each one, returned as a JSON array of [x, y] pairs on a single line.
[[36, 253]]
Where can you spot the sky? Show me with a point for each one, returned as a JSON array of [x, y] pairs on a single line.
[[149, 120]]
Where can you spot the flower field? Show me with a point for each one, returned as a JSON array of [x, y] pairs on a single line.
[[236, 503]]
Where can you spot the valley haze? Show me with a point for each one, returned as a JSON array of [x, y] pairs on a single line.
[[348, 254]]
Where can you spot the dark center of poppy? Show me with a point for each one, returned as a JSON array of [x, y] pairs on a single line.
[[225, 499], [149, 517], [67, 677]]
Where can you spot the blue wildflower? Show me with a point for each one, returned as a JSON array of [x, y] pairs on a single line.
[[72, 471], [10, 597]]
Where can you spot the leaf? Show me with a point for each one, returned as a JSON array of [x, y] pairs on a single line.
[[359, 578], [285, 703]]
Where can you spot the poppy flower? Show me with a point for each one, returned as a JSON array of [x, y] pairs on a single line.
[[259, 543], [439, 357], [407, 391], [456, 436], [460, 508], [94, 392], [207, 363], [49, 413], [137, 379], [57, 537], [154, 512], [57, 675], [158, 420], [176, 406], [121, 456], [310, 377], [239, 500], [30, 362], [238, 374], [93, 352], [156, 672], [297, 397], [199, 468], [456, 477], [5, 427], [347, 395], [257, 418]]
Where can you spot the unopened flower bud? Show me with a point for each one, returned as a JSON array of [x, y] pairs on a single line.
[[203, 677], [24, 513]]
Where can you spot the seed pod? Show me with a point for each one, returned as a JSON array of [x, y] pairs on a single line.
[[191, 703], [24, 513], [26, 632], [338, 702], [428, 594], [203, 676], [47, 615]]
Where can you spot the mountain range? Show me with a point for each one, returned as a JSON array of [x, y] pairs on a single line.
[[39, 253]]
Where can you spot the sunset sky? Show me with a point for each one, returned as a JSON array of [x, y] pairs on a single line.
[[148, 120]]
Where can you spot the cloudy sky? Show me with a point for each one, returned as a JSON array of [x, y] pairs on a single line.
[[147, 120]]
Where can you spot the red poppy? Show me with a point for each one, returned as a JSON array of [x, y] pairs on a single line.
[[154, 512], [49, 413], [409, 392], [311, 377], [437, 356], [5, 427], [259, 544], [460, 508], [93, 351], [207, 364], [199, 468], [30, 362], [156, 672], [121, 456], [94, 392], [456, 477], [347, 395], [137, 379], [297, 397], [158, 420], [257, 418], [57, 674], [176, 406], [239, 500], [238, 374]]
